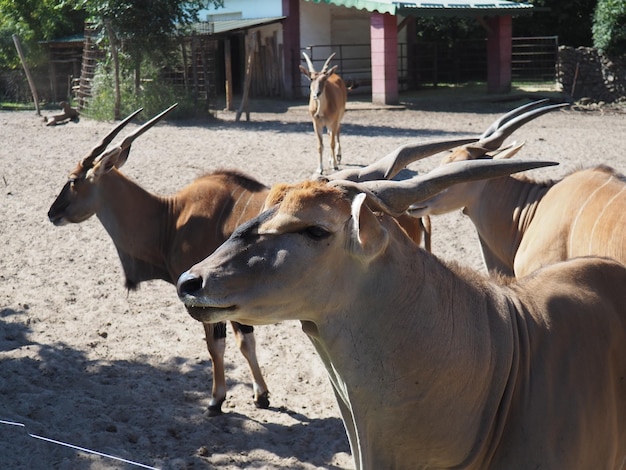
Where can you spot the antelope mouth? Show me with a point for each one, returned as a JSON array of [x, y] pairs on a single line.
[[57, 220], [210, 314]]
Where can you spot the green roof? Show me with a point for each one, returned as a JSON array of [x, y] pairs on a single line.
[[435, 8]]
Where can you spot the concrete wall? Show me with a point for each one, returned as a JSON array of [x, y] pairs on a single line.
[[315, 21], [349, 26]]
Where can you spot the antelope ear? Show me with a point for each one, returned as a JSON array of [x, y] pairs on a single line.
[[122, 157], [368, 237], [104, 164], [331, 70], [305, 72], [509, 151]]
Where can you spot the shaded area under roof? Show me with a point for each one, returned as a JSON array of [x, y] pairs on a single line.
[[232, 26], [76, 38], [436, 8]]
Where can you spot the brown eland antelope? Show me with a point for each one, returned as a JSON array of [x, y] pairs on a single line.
[[327, 105], [159, 237], [433, 365], [523, 224]]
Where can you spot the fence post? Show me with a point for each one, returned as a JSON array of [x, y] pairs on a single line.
[[31, 82], [250, 47]]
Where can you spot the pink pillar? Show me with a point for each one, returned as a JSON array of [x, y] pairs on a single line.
[[384, 39], [499, 50]]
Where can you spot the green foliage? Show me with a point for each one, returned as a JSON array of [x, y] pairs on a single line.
[[34, 21], [448, 30], [40, 20], [154, 95], [145, 22], [146, 30], [609, 26], [570, 20]]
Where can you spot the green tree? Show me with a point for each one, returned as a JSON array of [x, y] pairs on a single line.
[[34, 21], [141, 30], [448, 30], [571, 21], [609, 26], [146, 26]]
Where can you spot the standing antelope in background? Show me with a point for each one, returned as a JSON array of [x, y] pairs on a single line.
[[159, 237], [523, 224], [433, 365], [327, 105]]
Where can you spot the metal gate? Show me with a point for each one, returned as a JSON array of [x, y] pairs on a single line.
[[535, 58]]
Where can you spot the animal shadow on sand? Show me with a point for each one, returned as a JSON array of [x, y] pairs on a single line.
[[290, 126], [130, 410]]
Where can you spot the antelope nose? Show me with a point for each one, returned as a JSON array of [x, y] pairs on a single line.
[[188, 284]]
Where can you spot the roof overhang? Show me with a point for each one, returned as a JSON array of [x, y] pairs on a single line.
[[437, 8], [68, 41], [225, 27]]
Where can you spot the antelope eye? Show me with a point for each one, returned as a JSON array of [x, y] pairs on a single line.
[[315, 232]]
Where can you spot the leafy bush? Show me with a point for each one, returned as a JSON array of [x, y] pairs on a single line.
[[154, 96], [609, 26]]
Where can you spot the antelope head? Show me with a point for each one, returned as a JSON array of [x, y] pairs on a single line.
[[320, 229], [78, 199], [318, 79], [490, 143], [488, 147]]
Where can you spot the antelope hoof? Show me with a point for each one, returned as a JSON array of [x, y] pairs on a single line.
[[263, 401], [216, 410]]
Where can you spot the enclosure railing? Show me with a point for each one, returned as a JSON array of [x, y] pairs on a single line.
[[534, 59]]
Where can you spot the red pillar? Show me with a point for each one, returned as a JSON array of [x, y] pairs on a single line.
[[499, 50], [291, 48], [384, 40]]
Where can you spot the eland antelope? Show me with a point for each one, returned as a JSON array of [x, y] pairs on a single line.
[[524, 224], [160, 237], [327, 105], [433, 365]]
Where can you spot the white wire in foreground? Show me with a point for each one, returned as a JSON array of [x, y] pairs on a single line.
[[71, 446]]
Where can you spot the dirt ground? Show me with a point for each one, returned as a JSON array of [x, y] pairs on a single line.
[[83, 361]]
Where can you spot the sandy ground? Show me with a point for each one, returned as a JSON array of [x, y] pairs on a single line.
[[84, 362]]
